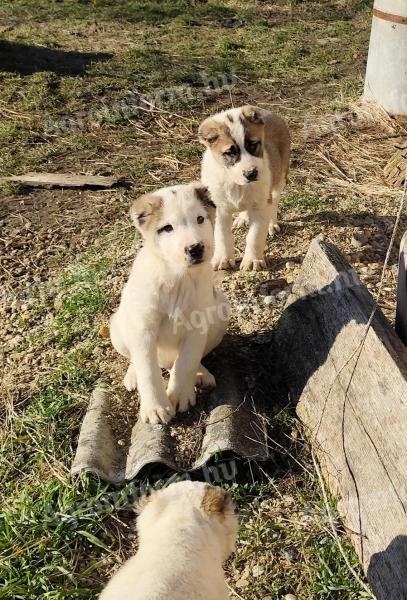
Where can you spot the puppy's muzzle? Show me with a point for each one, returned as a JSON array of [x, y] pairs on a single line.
[[195, 253], [251, 174]]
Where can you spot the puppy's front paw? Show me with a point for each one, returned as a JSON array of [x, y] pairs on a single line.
[[155, 412], [223, 262], [241, 220], [204, 379], [130, 379], [181, 396], [274, 228], [253, 264]]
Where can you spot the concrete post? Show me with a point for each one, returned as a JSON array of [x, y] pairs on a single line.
[[386, 73]]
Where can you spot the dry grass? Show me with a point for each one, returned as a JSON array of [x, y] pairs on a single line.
[[347, 153]]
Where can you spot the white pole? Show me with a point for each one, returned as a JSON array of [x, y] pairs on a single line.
[[386, 73]]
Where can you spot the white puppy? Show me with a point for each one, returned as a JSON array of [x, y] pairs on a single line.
[[186, 532], [170, 314], [245, 167]]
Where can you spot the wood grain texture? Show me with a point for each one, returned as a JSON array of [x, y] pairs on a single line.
[[62, 180], [355, 411], [395, 170], [401, 310]]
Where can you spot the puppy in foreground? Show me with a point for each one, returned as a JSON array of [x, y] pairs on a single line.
[[186, 532], [170, 314], [245, 167]]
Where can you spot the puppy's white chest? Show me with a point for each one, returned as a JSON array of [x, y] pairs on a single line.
[[245, 197], [235, 196]]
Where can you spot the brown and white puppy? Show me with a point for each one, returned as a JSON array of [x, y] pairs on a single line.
[[170, 315], [186, 532], [245, 167]]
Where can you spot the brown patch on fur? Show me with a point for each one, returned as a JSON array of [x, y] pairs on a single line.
[[216, 502], [145, 211], [252, 114], [143, 502], [215, 135], [253, 124], [204, 197]]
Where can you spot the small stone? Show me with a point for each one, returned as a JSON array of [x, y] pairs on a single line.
[[290, 597], [324, 42], [241, 583], [15, 340], [257, 571], [289, 265], [104, 331], [282, 295], [290, 278], [358, 239], [58, 301], [288, 555], [120, 442], [269, 300], [294, 434]]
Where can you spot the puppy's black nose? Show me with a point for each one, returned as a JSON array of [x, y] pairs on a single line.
[[195, 251], [251, 175]]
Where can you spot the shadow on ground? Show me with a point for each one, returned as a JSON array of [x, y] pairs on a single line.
[[26, 59], [381, 573]]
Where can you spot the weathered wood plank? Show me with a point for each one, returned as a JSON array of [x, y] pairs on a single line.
[[395, 170], [401, 311], [62, 180], [355, 413]]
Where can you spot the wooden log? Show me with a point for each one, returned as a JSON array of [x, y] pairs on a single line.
[[352, 401], [401, 310], [62, 180], [395, 170]]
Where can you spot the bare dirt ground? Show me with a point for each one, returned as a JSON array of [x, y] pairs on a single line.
[[65, 255]]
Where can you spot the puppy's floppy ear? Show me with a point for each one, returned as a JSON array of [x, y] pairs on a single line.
[[204, 197], [216, 502], [143, 502], [252, 114], [208, 132], [144, 211]]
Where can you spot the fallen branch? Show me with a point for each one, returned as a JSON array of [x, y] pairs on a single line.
[[62, 180]]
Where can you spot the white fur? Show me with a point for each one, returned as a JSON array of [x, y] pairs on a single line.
[[257, 201], [181, 549], [170, 315]]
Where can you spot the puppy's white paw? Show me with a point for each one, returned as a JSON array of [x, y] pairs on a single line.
[[181, 396], [130, 379], [274, 228], [205, 379], [223, 262], [253, 264], [155, 412], [241, 220]]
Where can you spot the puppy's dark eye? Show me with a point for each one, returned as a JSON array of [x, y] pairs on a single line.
[[252, 146], [232, 151], [200, 220], [166, 229]]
